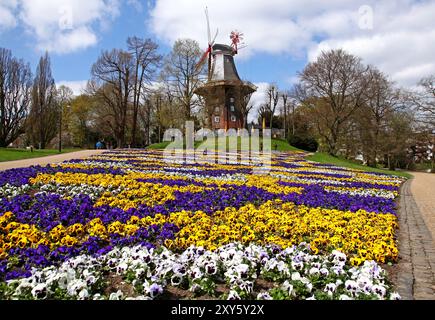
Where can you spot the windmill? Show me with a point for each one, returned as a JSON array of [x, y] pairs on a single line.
[[208, 52]]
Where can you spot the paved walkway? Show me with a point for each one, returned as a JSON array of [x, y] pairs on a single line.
[[423, 190], [415, 273], [49, 159]]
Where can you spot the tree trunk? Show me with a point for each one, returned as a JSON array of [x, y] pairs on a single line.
[[293, 120], [134, 129]]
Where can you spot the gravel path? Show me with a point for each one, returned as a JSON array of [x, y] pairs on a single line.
[[415, 272], [49, 159]]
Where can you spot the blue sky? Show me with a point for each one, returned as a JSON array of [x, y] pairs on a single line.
[[75, 66], [398, 36]]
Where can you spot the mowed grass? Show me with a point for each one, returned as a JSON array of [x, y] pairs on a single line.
[[326, 158], [276, 144], [7, 154]]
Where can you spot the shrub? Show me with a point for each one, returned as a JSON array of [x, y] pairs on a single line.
[[306, 143]]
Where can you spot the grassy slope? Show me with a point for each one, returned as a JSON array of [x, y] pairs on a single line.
[[158, 146], [20, 154], [281, 145], [326, 158]]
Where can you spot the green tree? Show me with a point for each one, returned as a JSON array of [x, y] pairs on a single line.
[[81, 120]]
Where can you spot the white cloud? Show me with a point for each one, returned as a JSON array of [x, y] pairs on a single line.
[[273, 26], [76, 86], [401, 42], [7, 18], [405, 56], [64, 26], [66, 42], [257, 99]]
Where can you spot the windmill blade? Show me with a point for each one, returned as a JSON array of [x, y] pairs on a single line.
[[216, 35], [243, 46], [202, 60], [208, 25]]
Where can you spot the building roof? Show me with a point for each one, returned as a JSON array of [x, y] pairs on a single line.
[[223, 67], [224, 72]]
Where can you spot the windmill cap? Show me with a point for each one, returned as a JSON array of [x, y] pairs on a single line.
[[225, 49]]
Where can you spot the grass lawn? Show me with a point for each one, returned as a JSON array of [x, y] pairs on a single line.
[[326, 158], [163, 145], [158, 146], [20, 154], [282, 145]]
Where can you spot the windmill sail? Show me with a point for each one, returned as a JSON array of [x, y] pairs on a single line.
[[208, 52]]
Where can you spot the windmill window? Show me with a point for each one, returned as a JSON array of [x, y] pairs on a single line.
[[233, 119], [217, 119], [232, 100], [217, 110], [232, 108]]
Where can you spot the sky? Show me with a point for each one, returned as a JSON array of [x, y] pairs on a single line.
[[282, 36]]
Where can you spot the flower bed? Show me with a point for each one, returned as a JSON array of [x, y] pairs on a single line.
[[110, 210]]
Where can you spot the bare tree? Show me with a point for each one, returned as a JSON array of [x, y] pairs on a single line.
[[15, 96], [285, 105], [145, 115], [64, 98], [381, 101], [273, 96], [146, 62], [112, 81], [44, 113], [398, 137], [247, 106], [263, 113], [181, 75], [334, 84], [425, 101]]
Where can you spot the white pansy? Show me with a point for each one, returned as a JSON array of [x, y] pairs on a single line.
[[8, 190], [379, 290], [39, 291], [116, 295], [395, 296], [286, 286], [234, 263], [83, 294], [324, 272], [296, 276], [264, 296], [314, 271], [233, 295]]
